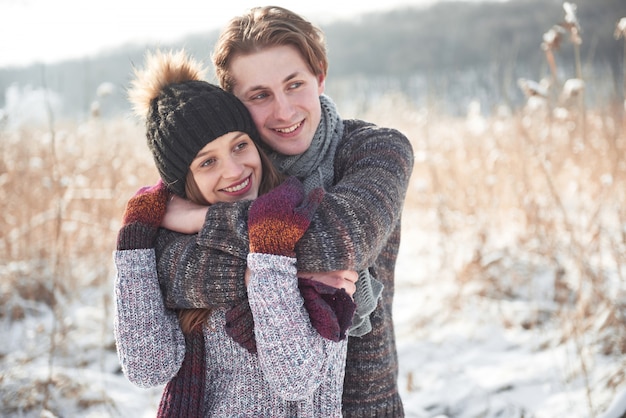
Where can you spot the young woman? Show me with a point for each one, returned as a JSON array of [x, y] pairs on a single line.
[[275, 62], [203, 142]]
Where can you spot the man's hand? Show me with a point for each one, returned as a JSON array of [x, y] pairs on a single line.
[[339, 279]]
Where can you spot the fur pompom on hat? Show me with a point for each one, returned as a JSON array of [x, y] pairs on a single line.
[[183, 113]]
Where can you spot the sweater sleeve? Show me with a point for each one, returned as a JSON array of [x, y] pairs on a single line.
[[293, 356], [206, 270], [359, 213], [150, 343]]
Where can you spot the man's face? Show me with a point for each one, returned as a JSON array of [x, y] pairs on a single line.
[[282, 95]]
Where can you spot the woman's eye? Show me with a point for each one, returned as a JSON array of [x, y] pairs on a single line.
[[208, 162]]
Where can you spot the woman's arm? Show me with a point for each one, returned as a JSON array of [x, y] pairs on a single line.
[[150, 343], [294, 358]]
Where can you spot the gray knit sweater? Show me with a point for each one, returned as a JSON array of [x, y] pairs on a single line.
[[357, 226], [296, 372]]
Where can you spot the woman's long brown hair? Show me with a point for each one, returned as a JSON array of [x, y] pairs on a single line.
[[190, 319]]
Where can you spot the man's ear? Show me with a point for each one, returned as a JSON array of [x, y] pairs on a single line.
[[321, 83]]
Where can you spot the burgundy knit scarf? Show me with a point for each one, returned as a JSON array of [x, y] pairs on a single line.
[[183, 396]]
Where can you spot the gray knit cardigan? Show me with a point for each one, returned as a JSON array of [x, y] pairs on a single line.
[[295, 373], [357, 226]]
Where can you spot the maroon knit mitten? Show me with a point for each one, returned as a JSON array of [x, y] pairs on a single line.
[[330, 309], [142, 217], [240, 326], [183, 396], [278, 219]]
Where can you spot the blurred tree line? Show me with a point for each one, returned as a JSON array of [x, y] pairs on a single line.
[[458, 51]]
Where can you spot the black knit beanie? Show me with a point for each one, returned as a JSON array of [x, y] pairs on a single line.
[[186, 116]]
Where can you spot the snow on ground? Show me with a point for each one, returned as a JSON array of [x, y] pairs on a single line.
[[461, 356], [458, 359]]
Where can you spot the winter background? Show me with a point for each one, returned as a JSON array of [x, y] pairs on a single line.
[[510, 282]]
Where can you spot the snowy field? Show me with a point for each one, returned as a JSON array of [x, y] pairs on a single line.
[[458, 357]]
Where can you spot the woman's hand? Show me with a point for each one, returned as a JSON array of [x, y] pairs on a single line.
[[339, 279], [184, 216], [247, 276]]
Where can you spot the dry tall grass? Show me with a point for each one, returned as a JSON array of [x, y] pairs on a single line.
[[63, 191]]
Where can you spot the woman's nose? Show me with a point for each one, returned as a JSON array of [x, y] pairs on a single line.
[[232, 168]]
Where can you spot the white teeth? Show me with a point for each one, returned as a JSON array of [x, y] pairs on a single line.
[[288, 130], [240, 186]]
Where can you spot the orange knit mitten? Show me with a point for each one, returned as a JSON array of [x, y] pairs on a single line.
[[142, 217]]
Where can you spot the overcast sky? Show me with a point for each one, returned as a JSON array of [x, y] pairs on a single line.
[[52, 30]]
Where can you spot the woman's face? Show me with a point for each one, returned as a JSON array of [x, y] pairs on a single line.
[[282, 95], [228, 169]]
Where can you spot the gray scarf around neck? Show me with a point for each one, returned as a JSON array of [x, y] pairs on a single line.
[[314, 167]]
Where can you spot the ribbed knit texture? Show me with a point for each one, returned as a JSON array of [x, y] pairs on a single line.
[[368, 291], [297, 373], [183, 396], [142, 323], [194, 266], [278, 219], [357, 225]]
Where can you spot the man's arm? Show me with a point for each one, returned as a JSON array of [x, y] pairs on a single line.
[[207, 269], [372, 170]]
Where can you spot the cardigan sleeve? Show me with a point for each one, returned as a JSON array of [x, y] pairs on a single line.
[[359, 213], [206, 270], [150, 343], [294, 358]]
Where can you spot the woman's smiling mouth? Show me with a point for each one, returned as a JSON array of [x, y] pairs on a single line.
[[238, 187]]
